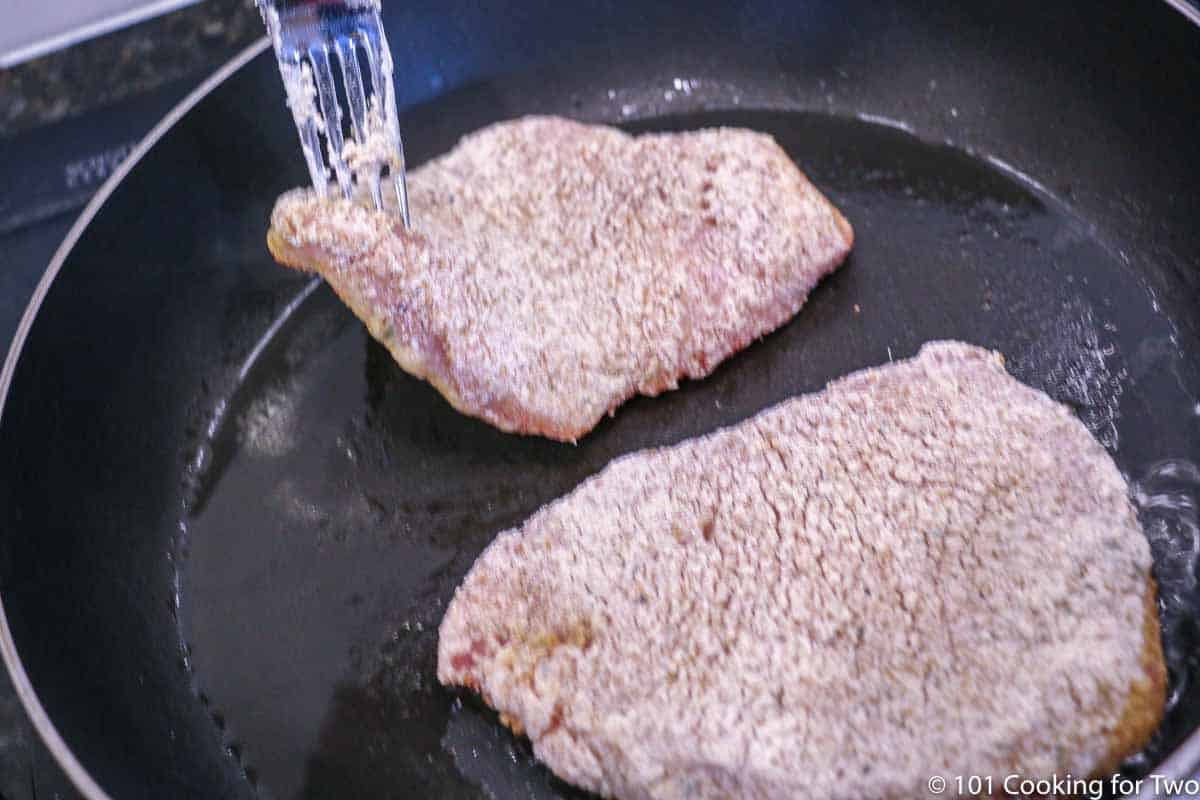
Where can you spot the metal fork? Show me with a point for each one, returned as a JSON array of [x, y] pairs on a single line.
[[308, 35]]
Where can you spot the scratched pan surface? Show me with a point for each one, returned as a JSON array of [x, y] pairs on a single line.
[[232, 523]]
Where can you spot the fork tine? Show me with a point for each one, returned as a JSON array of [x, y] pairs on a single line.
[[401, 183], [370, 46], [296, 80], [310, 143], [400, 172], [373, 183], [327, 94], [379, 58], [352, 77]]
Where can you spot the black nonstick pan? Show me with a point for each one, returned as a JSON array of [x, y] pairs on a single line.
[[231, 523]]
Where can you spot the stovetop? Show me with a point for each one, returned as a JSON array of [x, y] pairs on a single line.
[[66, 121]]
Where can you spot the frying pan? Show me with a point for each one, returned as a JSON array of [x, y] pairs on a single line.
[[231, 523]]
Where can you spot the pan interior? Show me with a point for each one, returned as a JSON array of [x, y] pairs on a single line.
[[342, 500]]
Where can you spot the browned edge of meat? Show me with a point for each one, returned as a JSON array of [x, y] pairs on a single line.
[[1147, 698], [429, 365]]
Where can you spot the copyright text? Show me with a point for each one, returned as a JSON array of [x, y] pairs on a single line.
[[1060, 786]]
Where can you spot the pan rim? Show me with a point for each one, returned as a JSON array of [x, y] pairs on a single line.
[[80, 778], [1180, 764], [1188, 9]]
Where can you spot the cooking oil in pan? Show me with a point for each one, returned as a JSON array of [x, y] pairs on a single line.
[[1166, 496], [341, 501]]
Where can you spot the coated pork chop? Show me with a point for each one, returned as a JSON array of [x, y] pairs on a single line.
[[556, 269], [926, 569]]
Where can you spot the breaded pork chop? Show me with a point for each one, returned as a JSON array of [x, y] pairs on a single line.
[[926, 569], [556, 269]]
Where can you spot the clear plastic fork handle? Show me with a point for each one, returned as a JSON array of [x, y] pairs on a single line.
[[308, 36]]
